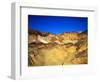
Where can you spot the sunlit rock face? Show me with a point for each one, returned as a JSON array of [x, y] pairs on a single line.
[[57, 49]]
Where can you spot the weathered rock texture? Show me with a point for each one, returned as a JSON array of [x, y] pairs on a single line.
[[61, 49]]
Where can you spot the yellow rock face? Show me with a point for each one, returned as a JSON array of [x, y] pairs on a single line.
[[57, 55], [61, 49]]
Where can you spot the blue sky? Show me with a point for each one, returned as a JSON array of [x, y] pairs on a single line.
[[57, 24]]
